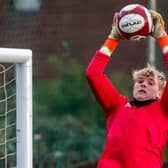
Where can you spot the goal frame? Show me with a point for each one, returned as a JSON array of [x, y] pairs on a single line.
[[23, 60]]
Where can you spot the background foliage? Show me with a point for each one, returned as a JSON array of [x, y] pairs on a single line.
[[71, 127]]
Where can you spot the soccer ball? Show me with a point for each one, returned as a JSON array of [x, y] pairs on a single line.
[[134, 22]]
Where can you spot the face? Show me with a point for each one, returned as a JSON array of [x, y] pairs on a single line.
[[146, 88]]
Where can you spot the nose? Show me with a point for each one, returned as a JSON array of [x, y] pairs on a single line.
[[143, 84]]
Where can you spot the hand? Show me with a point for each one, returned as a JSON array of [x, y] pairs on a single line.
[[158, 23], [114, 34]]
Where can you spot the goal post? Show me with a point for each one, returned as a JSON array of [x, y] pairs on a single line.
[[23, 60], [151, 41]]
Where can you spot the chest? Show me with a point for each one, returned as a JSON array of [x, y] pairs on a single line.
[[128, 120], [137, 125]]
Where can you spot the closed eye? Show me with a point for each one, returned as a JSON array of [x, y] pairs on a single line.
[[151, 82], [140, 81]]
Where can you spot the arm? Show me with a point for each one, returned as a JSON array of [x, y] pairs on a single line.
[[105, 93], [163, 42], [164, 100], [160, 34]]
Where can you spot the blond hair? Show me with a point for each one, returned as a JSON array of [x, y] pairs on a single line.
[[151, 71]]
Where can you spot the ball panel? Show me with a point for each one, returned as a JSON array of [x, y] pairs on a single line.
[[129, 7], [149, 18], [131, 23]]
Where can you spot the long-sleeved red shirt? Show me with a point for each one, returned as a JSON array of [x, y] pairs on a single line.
[[136, 136]]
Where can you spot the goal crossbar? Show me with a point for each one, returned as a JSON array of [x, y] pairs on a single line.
[[23, 60], [12, 55]]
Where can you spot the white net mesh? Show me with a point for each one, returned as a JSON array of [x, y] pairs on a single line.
[[7, 116]]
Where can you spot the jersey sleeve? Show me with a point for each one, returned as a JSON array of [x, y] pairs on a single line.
[[103, 89], [163, 42], [164, 100]]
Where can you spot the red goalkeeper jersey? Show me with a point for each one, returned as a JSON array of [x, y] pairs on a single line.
[[136, 136]]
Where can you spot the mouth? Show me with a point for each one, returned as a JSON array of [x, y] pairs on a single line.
[[141, 91]]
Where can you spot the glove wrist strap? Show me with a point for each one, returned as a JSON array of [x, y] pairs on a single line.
[[163, 42], [109, 46]]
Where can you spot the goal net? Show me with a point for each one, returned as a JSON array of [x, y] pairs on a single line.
[[15, 108]]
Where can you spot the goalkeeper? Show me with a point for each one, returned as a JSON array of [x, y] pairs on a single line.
[[137, 129]]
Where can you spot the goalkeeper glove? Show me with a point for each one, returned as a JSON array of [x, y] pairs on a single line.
[[113, 39], [158, 23], [114, 34]]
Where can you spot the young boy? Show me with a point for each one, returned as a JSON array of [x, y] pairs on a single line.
[[137, 130]]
